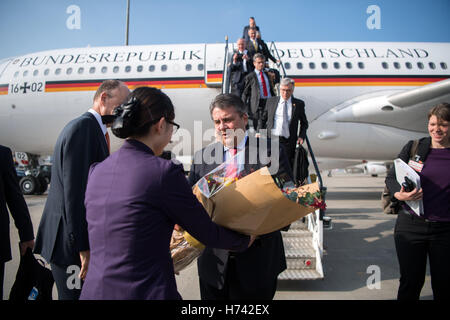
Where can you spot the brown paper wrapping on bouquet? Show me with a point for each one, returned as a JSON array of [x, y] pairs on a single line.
[[254, 205]]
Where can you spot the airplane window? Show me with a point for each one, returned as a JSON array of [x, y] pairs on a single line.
[[58, 71], [385, 65], [408, 65], [104, 69], [92, 70], [151, 68], [336, 65], [443, 65], [46, 72], [80, 70], [396, 65], [69, 71], [200, 67], [324, 65], [299, 65], [287, 65], [361, 65], [139, 68], [312, 65], [16, 74], [164, 67], [432, 65], [116, 69], [35, 72], [188, 67], [348, 65], [420, 65], [127, 68]]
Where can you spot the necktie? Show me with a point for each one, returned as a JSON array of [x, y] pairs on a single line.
[[263, 81], [232, 166], [108, 142], [285, 128], [254, 44]]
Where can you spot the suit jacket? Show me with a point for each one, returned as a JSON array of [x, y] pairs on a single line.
[[11, 195], [245, 32], [251, 94], [62, 232], [260, 264], [261, 47], [298, 114], [238, 75], [133, 200]]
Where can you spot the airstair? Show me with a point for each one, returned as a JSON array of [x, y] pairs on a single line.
[[303, 242]]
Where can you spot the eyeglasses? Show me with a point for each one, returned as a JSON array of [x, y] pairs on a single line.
[[175, 126]]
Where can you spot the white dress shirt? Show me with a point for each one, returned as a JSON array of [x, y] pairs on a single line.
[[240, 155], [98, 117], [261, 90], [278, 129]]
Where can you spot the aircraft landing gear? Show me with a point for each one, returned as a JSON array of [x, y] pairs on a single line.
[[33, 178]]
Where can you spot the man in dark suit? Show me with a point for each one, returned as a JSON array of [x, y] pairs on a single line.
[[257, 88], [11, 195], [283, 115], [62, 237], [239, 68], [251, 24], [253, 273], [256, 45]]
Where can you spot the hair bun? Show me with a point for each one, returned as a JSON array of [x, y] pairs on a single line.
[[124, 124]]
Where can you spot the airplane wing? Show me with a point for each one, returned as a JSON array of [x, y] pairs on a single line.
[[437, 90], [404, 110]]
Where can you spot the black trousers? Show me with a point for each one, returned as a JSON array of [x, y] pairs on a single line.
[[66, 283], [415, 240], [233, 289]]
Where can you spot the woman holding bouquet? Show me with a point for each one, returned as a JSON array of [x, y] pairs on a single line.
[[133, 200]]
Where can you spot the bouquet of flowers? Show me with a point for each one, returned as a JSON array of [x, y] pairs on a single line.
[[253, 203], [219, 178]]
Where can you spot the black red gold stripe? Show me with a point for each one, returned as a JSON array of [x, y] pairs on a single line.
[[4, 88], [214, 76], [92, 85]]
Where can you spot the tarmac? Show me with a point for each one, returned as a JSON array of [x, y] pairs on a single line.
[[359, 248]]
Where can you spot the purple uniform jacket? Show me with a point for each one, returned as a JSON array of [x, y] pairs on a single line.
[[133, 199]]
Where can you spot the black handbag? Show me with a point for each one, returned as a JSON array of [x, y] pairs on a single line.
[[33, 280]]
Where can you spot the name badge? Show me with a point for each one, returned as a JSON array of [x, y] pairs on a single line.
[[416, 165]]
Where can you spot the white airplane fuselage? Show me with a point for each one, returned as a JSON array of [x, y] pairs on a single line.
[[352, 91]]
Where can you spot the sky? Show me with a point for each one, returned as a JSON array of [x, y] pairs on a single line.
[[28, 26]]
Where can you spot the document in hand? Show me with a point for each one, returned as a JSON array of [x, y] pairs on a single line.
[[402, 170]]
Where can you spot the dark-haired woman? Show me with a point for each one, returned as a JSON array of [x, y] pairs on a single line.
[[418, 237], [133, 200]]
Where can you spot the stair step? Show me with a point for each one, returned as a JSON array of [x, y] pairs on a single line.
[[299, 275]]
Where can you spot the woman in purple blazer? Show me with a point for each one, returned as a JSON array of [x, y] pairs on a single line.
[[133, 200]]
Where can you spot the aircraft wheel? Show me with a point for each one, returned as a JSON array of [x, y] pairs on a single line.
[[28, 185]]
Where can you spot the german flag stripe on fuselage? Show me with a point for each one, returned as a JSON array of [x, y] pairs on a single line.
[[4, 88], [92, 85], [214, 76], [199, 82]]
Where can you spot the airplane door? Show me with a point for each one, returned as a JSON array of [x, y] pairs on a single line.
[[214, 64]]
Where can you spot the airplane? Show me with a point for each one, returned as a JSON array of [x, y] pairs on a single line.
[[364, 100]]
